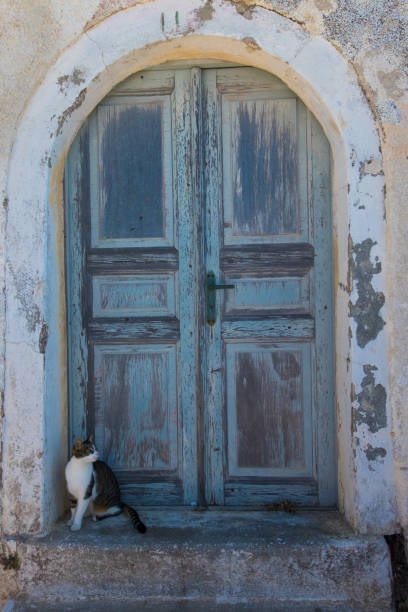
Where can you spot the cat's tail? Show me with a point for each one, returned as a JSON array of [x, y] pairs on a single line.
[[134, 517]]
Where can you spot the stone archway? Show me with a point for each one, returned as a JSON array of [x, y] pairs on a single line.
[[36, 336]]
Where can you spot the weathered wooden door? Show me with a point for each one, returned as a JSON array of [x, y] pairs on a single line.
[[179, 180]]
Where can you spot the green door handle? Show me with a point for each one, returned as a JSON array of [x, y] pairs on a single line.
[[212, 287]]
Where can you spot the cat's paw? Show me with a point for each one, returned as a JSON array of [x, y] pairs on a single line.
[[69, 523], [94, 518], [75, 527]]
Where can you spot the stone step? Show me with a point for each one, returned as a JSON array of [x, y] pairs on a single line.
[[208, 560], [104, 605]]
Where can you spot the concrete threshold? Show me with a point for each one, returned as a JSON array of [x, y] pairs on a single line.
[[206, 560]]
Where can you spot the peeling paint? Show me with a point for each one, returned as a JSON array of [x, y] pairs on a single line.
[[68, 112], [42, 343], [389, 112], [372, 167], [350, 265], [372, 453], [205, 13], [251, 43], [244, 10], [369, 302], [371, 400], [26, 288], [76, 78]]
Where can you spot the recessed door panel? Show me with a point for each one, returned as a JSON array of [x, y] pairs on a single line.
[[263, 186], [132, 168], [267, 294], [136, 407], [134, 295], [268, 390]]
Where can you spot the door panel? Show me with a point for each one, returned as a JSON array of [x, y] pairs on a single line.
[[258, 294], [260, 188], [264, 159], [137, 296], [176, 174], [268, 390], [131, 202], [136, 406], [134, 311], [132, 166], [263, 344]]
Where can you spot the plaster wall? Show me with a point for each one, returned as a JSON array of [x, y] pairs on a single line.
[[345, 59]]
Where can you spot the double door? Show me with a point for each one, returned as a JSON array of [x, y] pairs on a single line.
[[199, 290]]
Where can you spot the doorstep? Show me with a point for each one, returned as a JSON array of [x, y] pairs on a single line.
[[204, 560]]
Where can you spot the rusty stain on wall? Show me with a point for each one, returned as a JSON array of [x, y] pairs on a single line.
[[369, 302], [371, 409]]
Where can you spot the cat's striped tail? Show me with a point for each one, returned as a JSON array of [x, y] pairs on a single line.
[[134, 517]]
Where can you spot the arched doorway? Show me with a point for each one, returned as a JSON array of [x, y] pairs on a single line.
[[185, 178]]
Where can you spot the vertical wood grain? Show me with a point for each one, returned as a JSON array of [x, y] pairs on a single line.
[[264, 182], [77, 194], [131, 170], [325, 420], [136, 406], [214, 364], [132, 188], [187, 241]]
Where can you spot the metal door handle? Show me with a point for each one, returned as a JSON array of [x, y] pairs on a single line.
[[212, 287]]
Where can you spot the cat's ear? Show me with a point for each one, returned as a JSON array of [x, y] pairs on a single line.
[[78, 443], [90, 438]]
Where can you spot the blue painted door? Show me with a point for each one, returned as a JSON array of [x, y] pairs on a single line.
[[269, 374], [179, 173]]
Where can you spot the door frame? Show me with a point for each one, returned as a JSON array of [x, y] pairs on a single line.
[[198, 99], [35, 239]]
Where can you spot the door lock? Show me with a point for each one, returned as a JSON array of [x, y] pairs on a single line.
[[212, 287]]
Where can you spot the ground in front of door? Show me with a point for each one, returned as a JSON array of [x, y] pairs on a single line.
[[206, 560]]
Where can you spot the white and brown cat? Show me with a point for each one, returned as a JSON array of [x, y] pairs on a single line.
[[92, 483]]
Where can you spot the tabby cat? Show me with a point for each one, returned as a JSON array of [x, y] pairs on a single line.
[[92, 483]]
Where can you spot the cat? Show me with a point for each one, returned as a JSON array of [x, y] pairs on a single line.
[[92, 483]]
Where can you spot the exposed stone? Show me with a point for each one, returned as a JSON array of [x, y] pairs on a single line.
[[374, 24], [369, 302], [372, 453], [372, 403]]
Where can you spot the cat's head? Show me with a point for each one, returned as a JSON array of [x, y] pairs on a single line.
[[85, 450]]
